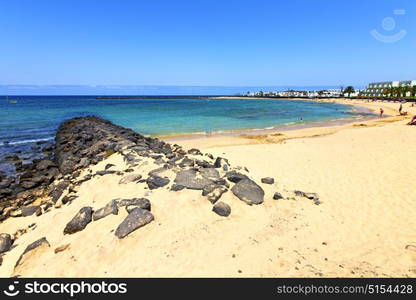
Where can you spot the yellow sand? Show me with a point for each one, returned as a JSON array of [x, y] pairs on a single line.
[[365, 177]]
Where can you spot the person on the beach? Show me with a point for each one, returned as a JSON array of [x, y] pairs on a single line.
[[381, 112], [400, 108], [412, 121]]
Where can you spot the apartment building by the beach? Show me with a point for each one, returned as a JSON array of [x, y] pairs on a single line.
[[376, 89]]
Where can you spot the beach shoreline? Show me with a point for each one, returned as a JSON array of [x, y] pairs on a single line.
[[363, 114], [247, 136]]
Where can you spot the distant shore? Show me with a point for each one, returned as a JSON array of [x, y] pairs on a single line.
[[363, 106]]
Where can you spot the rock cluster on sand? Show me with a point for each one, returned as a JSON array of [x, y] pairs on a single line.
[[81, 142], [84, 142]]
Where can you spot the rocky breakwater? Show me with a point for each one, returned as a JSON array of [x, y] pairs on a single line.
[[79, 143], [83, 155], [28, 183]]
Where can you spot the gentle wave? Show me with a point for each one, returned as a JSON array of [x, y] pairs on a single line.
[[26, 141]]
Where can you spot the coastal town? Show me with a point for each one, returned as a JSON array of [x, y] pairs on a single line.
[[388, 89]]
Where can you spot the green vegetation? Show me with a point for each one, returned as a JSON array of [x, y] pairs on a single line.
[[349, 90], [400, 91]]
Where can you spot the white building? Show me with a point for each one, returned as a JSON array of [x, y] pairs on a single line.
[[376, 89]]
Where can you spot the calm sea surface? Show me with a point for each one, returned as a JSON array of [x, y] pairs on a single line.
[[36, 118]]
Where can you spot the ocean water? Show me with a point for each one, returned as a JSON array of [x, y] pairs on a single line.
[[36, 118]]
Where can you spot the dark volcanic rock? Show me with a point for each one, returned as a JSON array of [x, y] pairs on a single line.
[[191, 179], [56, 193], [45, 164], [158, 172], [5, 242], [177, 187], [28, 184], [68, 199], [12, 157], [110, 208], [105, 172], [210, 173], [248, 191], [306, 195], [267, 180], [156, 182], [137, 218], [84, 162], [214, 192], [310, 196], [80, 221], [220, 162], [194, 151], [30, 210], [48, 148], [187, 162], [108, 166], [143, 203], [222, 209], [90, 138], [130, 178], [208, 189], [67, 163], [235, 176], [84, 179], [277, 196], [129, 208], [4, 192], [36, 244], [204, 164], [159, 161]]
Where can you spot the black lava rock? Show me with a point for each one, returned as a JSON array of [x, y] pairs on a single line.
[[222, 209], [80, 221]]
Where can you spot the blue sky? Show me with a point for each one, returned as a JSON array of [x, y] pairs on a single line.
[[205, 43]]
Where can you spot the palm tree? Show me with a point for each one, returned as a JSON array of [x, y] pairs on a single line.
[[406, 89], [349, 90], [395, 91], [414, 90], [388, 91], [402, 91]]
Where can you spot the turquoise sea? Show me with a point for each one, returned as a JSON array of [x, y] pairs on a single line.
[[24, 120]]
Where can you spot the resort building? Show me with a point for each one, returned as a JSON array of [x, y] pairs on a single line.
[[376, 89]]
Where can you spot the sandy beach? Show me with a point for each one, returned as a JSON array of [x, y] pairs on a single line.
[[364, 225]]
